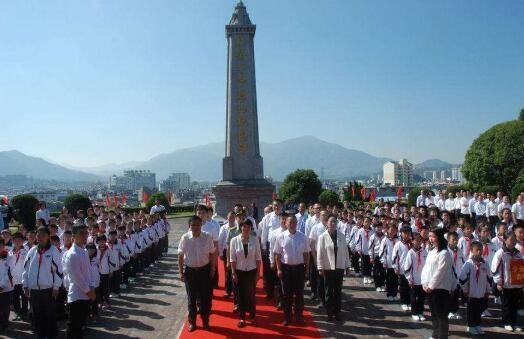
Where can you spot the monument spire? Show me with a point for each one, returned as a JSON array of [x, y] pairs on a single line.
[[243, 171]]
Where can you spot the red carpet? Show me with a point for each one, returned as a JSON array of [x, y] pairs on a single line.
[[223, 321]]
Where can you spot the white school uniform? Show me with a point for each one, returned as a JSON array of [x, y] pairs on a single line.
[[362, 243], [400, 250], [475, 278], [500, 266], [413, 265], [386, 251], [464, 245], [374, 244], [17, 265]]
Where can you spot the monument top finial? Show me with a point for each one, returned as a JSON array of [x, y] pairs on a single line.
[[240, 16]]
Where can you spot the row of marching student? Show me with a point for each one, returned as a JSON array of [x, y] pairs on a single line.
[[72, 267], [423, 254]]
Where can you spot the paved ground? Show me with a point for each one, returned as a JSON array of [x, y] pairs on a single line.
[[156, 308]]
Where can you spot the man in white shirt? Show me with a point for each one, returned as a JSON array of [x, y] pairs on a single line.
[[449, 204], [464, 206], [472, 214], [504, 203], [492, 214], [517, 210], [76, 267], [421, 199], [157, 207], [212, 228], [301, 217], [480, 208], [316, 280], [292, 260], [196, 264]]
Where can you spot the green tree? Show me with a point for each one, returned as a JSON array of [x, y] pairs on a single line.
[[161, 197], [24, 208], [301, 185], [413, 195], [75, 202], [496, 157], [329, 197]]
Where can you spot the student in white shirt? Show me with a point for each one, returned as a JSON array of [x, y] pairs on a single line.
[[18, 255], [492, 214], [245, 260], [6, 286], [41, 280], [437, 281], [415, 260], [517, 210], [77, 271]]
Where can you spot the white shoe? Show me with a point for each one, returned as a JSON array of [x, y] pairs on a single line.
[[485, 314], [458, 316], [451, 316], [415, 317], [409, 307], [404, 307], [521, 312], [517, 329], [390, 298], [383, 289], [473, 331], [421, 317], [496, 300], [508, 328], [479, 330], [378, 289]]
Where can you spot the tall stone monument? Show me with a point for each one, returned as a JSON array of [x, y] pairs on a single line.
[[243, 172]]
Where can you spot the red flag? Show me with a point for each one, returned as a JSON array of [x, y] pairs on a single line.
[[169, 197], [372, 195], [116, 200], [363, 193], [145, 197], [353, 191], [124, 199], [108, 201], [400, 192]]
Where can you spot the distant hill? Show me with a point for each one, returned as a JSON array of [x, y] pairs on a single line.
[[433, 164], [205, 162], [15, 162]]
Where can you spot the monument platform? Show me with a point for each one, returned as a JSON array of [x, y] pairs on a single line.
[[245, 192]]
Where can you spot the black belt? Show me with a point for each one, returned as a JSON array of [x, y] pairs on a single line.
[[201, 268]]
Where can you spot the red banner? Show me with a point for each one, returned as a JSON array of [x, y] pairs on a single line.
[[363, 193], [372, 195], [108, 201], [145, 197], [124, 199], [353, 191], [516, 271], [400, 192], [116, 200]]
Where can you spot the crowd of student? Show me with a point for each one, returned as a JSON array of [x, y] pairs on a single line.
[[423, 253], [72, 266]]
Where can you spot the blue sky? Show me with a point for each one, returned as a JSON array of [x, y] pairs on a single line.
[[94, 82]]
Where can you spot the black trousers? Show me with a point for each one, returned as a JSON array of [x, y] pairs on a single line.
[[19, 300], [418, 296], [116, 279], [379, 274], [198, 287], [228, 285], [405, 296], [321, 289], [93, 304], [132, 267], [61, 301], [246, 293], [5, 308], [493, 221], [77, 317], [126, 269], [366, 265], [105, 287], [355, 263], [511, 302], [44, 313], [454, 300], [267, 273], [391, 283], [439, 306], [312, 275], [293, 288], [475, 308], [333, 283]]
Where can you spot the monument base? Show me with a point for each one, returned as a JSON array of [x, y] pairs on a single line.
[[229, 193]]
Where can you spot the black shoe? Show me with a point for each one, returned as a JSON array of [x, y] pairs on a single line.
[[314, 297], [337, 316], [279, 306], [300, 321], [191, 327], [206, 326], [241, 324]]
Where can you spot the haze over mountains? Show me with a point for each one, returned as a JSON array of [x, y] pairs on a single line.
[[204, 163]]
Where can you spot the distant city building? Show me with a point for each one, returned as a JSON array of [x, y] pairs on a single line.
[[398, 173], [132, 180], [443, 175], [175, 182], [456, 174]]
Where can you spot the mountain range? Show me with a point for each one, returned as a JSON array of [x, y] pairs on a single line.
[[204, 163]]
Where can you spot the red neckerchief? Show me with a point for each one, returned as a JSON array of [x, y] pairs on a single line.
[[41, 252], [366, 234], [419, 258], [123, 239], [521, 247], [485, 250], [67, 247], [102, 252], [3, 254], [468, 244], [455, 256], [17, 254], [477, 268]]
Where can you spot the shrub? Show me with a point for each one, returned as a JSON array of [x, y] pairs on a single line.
[[301, 185], [75, 202], [328, 197], [160, 196], [24, 208]]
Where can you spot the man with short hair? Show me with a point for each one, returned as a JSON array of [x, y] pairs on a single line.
[[77, 268], [196, 264]]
